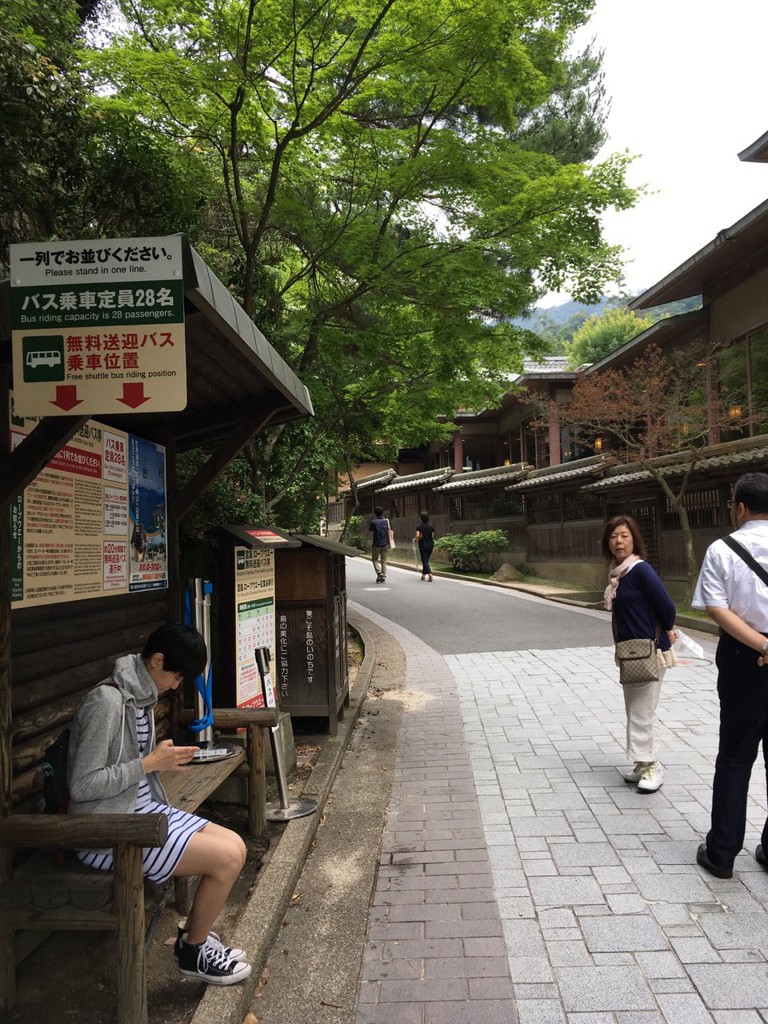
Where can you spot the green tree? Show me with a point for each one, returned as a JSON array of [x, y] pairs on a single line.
[[389, 191], [74, 164], [655, 407], [600, 335], [40, 127]]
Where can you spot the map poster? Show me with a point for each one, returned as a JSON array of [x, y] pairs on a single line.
[[72, 529], [254, 620], [146, 502]]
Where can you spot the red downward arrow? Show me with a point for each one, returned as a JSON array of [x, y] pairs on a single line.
[[133, 395], [66, 397]]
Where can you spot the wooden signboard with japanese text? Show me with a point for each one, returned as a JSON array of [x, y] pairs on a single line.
[[98, 326]]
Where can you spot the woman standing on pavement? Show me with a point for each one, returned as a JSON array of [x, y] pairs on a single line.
[[642, 609], [425, 535]]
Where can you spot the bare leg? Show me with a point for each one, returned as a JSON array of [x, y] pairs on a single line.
[[217, 855]]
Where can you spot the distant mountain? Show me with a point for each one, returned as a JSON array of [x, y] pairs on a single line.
[[560, 314], [546, 320]]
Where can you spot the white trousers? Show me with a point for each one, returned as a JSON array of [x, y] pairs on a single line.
[[641, 701]]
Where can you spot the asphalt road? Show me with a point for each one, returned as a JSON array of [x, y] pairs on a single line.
[[459, 617]]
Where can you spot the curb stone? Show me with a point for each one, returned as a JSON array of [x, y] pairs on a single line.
[[263, 914]]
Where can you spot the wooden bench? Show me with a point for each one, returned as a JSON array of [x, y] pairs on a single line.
[[44, 894]]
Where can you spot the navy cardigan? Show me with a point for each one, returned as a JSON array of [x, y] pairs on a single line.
[[641, 602]]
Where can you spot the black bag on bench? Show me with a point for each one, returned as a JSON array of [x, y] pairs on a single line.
[[55, 786]]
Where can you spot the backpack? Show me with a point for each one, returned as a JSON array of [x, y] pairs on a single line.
[[55, 788]]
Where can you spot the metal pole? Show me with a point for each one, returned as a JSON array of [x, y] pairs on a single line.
[[288, 808]]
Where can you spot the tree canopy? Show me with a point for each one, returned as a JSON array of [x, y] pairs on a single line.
[[382, 184], [598, 336]]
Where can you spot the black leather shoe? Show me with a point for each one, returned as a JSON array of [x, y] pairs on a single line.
[[706, 863], [760, 857]]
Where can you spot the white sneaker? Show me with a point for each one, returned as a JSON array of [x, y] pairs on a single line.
[[636, 773], [651, 778]]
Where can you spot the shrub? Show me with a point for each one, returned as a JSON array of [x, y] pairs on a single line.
[[353, 534], [474, 552]]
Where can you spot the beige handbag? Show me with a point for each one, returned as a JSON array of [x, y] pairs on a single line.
[[392, 538], [638, 661]]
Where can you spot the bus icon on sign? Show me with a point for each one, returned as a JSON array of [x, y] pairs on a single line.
[[43, 358]]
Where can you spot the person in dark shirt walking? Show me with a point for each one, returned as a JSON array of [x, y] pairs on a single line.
[[425, 536], [379, 527], [642, 609]]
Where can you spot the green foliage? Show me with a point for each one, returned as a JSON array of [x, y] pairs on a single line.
[[600, 335], [40, 126], [394, 180], [228, 500], [474, 552], [353, 533], [381, 184]]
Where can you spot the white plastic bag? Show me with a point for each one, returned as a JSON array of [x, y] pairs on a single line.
[[685, 647]]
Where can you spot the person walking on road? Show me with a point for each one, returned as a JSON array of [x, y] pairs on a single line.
[[379, 527], [425, 537], [642, 609], [733, 589]]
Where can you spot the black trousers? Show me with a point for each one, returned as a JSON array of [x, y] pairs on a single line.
[[425, 551], [742, 687]]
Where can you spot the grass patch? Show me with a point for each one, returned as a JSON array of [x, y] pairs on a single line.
[[540, 581], [695, 613], [536, 581], [462, 572]]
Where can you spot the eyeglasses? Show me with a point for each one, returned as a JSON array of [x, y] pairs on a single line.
[[731, 502]]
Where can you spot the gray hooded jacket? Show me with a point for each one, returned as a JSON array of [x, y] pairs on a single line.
[[105, 769]]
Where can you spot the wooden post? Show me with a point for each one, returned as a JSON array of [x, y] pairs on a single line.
[[131, 956], [7, 945], [257, 780]]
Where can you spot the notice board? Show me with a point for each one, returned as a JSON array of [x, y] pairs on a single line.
[[93, 522]]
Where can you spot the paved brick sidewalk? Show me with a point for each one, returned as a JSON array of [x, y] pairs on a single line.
[[436, 953], [509, 818]]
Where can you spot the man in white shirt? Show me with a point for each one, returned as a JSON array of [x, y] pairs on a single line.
[[736, 598]]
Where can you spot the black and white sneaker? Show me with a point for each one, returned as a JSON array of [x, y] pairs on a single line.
[[213, 940], [211, 965]]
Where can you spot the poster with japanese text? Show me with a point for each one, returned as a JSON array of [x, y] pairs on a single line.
[[146, 503], [72, 528], [254, 620]]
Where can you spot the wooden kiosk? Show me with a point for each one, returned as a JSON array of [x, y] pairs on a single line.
[[311, 669]]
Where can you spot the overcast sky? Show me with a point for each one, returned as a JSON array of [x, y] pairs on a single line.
[[688, 83]]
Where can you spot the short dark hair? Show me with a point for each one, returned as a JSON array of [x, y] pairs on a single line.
[[751, 490], [379, 510], [182, 648], [638, 544], [424, 516]]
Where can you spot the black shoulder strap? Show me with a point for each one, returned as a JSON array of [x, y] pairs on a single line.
[[742, 552]]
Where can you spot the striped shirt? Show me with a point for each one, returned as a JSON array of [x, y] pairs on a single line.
[[159, 861]]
